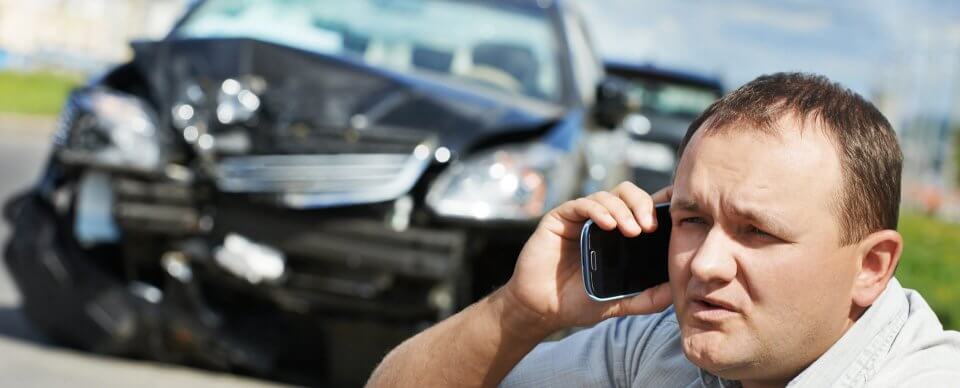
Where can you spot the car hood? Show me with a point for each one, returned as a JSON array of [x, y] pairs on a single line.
[[323, 91]]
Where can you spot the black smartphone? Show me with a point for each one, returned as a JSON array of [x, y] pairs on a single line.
[[615, 266]]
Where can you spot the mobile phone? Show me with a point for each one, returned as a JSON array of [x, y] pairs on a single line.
[[615, 266]]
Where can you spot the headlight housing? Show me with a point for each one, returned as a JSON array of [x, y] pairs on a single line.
[[517, 183], [112, 129]]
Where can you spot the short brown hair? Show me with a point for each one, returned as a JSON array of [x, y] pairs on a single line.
[[870, 157]]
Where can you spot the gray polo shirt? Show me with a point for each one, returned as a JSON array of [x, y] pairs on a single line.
[[898, 342]]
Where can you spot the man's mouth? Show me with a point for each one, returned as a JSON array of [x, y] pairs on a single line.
[[711, 309]]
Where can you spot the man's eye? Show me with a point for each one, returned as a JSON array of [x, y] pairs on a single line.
[[753, 230], [693, 220]]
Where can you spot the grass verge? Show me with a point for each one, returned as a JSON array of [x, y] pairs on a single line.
[[34, 93], [931, 264]]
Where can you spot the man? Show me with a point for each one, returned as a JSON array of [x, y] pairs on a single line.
[[782, 254]]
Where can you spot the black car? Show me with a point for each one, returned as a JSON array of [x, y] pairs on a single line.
[[662, 103], [298, 186]]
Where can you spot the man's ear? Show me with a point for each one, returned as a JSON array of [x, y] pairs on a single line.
[[878, 255]]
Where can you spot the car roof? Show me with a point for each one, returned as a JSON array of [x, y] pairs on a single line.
[[651, 71], [535, 7]]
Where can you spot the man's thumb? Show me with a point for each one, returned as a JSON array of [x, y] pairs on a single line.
[[651, 300]]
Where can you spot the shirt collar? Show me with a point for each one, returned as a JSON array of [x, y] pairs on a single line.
[[709, 380]]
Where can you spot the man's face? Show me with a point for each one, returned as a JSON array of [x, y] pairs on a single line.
[[760, 282]]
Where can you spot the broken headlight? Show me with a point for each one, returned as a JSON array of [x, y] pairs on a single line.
[[515, 183], [111, 129]]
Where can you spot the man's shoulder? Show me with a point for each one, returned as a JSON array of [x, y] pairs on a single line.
[[634, 333], [931, 360], [616, 352], [654, 353], [923, 351], [646, 332], [922, 334]]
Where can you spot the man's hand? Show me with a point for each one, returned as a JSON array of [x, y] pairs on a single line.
[[481, 344], [547, 281]]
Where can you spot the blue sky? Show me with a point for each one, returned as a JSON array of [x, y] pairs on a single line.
[[890, 46]]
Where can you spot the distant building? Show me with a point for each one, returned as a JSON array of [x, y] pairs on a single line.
[[919, 91], [80, 34]]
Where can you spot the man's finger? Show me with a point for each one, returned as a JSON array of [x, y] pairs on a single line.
[[639, 203], [582, 209], [626, 222], [663, 195]]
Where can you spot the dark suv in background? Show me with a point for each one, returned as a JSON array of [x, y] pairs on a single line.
[[662, 103], [285, 185]]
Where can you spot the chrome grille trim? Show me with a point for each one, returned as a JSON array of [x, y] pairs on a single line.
[[324, 180]]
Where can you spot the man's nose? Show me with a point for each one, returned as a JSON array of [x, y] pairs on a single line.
[[714, 261]]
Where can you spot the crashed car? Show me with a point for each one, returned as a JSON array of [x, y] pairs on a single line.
[[662, 104], [290, 188]]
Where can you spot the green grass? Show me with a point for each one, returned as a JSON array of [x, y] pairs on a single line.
[[931, 264], [956, 152], [35, 93]]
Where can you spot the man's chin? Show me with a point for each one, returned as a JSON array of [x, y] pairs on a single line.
[[716, 352]]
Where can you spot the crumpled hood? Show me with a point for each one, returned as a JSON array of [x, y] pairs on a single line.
[[323, 91]]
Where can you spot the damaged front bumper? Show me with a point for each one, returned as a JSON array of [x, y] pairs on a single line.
[[347, 281]]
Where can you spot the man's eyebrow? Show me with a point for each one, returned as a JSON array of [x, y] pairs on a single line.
[[764, 218], [687, 204], [753, 214]]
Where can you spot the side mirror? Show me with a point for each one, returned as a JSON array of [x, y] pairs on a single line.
[[612, 102]]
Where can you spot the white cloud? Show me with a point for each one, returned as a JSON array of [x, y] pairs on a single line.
[[736, 40], [768, 16]]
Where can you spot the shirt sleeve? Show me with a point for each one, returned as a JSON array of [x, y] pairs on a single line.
[[611, 354]]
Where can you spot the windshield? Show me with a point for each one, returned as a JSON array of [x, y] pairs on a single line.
[[671, 99], [498, 47]]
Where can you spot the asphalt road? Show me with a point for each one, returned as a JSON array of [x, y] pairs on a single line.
[[27, 359]]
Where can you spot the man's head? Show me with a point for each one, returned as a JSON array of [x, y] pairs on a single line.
[[784, 207]]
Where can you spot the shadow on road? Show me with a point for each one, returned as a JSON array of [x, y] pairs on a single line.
[[14, 325]]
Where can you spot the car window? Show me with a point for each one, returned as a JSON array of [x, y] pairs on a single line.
[[670, 98], [497, 47]]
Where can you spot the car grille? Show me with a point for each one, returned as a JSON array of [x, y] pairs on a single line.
[[325, 180], [303, 139]]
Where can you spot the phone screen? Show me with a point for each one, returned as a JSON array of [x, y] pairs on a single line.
[[615, 266]]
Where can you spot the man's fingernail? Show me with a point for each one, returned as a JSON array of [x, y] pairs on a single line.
[[647, 219]]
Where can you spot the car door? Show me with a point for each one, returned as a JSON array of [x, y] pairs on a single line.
[[603, 148]]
